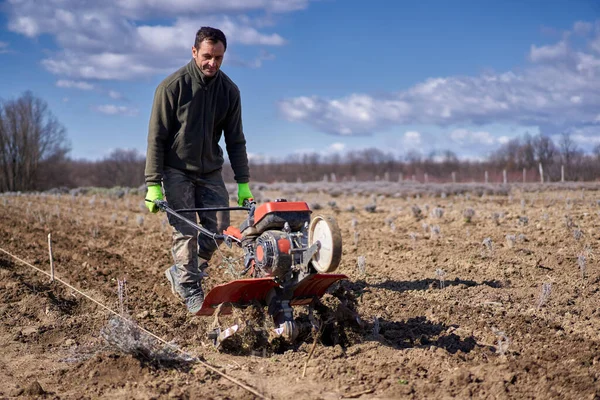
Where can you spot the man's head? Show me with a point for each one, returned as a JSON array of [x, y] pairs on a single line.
[[209, 49]]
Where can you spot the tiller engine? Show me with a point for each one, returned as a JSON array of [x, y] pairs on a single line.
[[288, 257]]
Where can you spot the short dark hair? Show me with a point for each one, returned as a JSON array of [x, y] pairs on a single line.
[[213, 35]]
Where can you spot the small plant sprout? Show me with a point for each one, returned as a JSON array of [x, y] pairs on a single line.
[[523, 220], [438, 212], [496, 218], [413, 236], [468, 215], [393, 227], [370, 208], [545, 294], [416, 211], [376, 326], [122, 295], [488, 245], [356, 237], [569, 222], [95, 231], [581, 261], [389, 220], [523, 204], [140, 220], [441, 275], [362, 265], [435, 231], [354, 223], [425, 227], [502, 343], [510, 241], [569, 204], [577, 234]]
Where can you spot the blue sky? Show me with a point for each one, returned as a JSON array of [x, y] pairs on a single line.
[[320, 76]]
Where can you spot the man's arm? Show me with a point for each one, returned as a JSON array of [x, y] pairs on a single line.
[[235, 141], [158, 133]]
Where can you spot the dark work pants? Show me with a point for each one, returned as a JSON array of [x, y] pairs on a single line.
[[184, 190]]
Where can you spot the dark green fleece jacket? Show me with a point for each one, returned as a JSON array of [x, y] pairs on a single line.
[[187, 121]]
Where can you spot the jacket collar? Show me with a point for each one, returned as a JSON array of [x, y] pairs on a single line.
[[197, 74]]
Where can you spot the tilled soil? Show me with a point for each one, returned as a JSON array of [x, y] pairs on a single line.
[[500, 304]]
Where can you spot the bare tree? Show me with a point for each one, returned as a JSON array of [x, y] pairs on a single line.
[[30, 135], [596, 152], [568, 148], [124, 168], [544, 149]]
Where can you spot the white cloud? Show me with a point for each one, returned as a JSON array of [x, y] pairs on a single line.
[[63, 83], [582, 27], [336, 147], [3, 47], [560, 88], [118, 39], [586, 141], [111, 109], [114, 95], [503, 139], [558, 51], [412, 138], [466, 137]]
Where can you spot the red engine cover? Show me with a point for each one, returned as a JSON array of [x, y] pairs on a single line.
[[278, 206]]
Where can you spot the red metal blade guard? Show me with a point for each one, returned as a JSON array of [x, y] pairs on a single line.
[[243, 292]]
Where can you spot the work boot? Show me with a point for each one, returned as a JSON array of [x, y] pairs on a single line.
[[173, 277], [194, 296], [191, 293]]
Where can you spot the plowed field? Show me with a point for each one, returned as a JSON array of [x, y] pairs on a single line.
[[502, 301]]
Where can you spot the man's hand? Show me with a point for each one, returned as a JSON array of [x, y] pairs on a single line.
[[244, 193], [154, 193]]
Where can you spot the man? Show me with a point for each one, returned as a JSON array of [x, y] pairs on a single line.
[[192, 108]]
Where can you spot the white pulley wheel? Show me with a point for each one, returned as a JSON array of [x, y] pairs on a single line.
[[326, 231]]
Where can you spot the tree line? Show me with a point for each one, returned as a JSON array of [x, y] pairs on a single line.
[[34, 155]]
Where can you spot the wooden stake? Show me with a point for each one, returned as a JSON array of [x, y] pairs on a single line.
[[51, 260]]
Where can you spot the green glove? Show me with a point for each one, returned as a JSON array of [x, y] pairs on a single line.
[[154, 193], [244, 193]]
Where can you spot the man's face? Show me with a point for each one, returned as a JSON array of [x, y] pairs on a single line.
[[209, 57]]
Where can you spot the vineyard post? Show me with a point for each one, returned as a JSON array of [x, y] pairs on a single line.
[[51, 258]]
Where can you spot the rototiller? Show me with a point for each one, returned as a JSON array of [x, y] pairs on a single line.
[[288, 256]]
